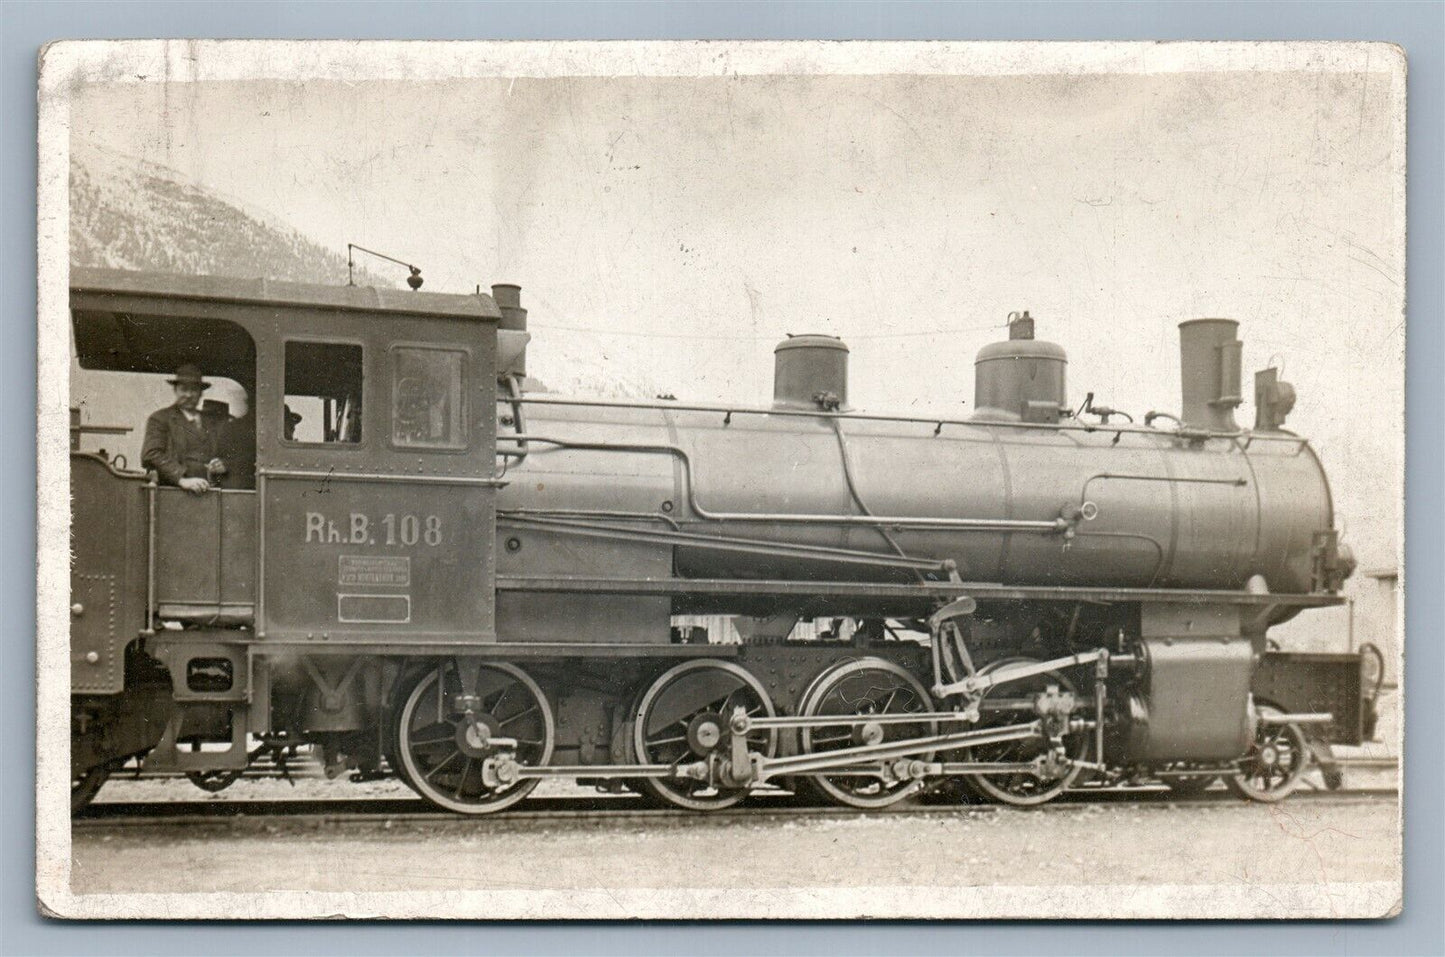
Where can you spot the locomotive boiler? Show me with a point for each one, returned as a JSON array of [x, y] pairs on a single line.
[[475, 585]]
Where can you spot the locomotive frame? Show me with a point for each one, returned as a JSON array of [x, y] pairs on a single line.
[[377, 596]]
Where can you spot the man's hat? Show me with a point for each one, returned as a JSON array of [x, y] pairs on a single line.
[[189, 374]]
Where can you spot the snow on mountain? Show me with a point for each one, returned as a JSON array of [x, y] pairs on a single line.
[[129, 214], [126, 213]]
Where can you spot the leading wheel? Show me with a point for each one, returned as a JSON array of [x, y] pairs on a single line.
[[452, 735], [683, 718], [1275, 763], [869, 686], [1012, 703]]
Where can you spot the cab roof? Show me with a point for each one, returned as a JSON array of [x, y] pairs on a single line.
[[128, 321], [272, 292]]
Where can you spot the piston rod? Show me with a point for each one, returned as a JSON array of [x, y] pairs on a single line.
[[808, 763], [1313, 717]]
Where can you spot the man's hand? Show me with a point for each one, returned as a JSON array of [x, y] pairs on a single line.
[[195, 485], [216, 467]]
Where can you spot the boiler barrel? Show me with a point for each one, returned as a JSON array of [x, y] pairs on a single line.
[[1171, 512]]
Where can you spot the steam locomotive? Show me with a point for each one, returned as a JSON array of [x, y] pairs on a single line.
[[448, 576]]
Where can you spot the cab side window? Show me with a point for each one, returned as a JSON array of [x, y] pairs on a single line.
[[427, 399], [323, 393]]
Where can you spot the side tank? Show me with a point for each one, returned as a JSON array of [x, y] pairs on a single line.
[[1187, 508]]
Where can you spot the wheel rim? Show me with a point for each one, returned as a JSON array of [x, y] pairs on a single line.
[[85, 786], [672, 725], [865, 687], [1021, 788], [1275, 763], [444, 755]]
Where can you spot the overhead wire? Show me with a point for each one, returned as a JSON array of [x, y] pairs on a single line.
[[759, 338]]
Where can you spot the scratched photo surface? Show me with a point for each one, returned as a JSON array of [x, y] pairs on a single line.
[[672, 213]]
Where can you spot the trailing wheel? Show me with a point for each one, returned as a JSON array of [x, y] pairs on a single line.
[[864, 688], [1013, 703], [1275, 763], [683, 719], [464, 727], [85, 785], [213, 782]]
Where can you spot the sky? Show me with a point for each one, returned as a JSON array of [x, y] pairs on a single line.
[[677, 227]]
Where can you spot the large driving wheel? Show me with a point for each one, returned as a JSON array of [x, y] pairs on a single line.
[[683, 718], [449, 755], [1275, 763], [868, 686], [1011, 703]]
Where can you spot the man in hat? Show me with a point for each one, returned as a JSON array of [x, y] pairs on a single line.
[[179, 444]]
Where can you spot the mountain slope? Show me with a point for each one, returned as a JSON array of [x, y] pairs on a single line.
[[126, 213]]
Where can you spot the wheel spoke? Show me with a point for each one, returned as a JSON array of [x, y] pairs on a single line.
[[496, 707], [462, 781], [432, 773], [532, 710], [422, 743], [831, 738], [654, 742]]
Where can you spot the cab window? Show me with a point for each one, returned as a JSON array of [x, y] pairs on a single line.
[[323, 393], [427, 398]]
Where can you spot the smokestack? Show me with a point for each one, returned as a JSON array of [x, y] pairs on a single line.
[[1209, 373], [512, 335]]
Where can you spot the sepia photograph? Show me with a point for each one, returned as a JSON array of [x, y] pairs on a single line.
[[721, 480]]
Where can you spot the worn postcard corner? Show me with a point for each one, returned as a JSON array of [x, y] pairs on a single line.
[[720, 480]]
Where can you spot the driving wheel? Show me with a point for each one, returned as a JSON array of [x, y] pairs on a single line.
[[683, 718], [463, 721], [864, 688], [1012, 703]]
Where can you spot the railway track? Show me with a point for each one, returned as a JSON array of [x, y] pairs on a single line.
[[620, 809]]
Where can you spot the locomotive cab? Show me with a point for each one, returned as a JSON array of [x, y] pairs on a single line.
[[367, 511]]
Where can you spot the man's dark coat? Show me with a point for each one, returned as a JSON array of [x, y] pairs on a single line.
[[175, 448]]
